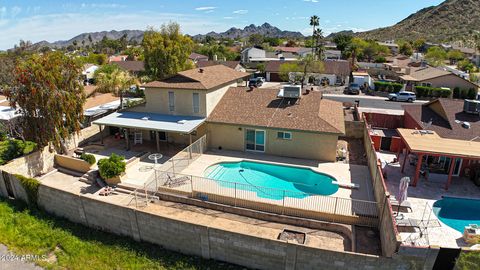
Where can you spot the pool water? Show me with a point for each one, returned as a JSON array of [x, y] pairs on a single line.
[[457, 212], [272, 181]]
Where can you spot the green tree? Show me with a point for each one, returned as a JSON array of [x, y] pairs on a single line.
[[166, 51], [256, 40], [343, 41], [111, 79], [454, 56], [314, 22], [436, 56], [49, 96], [419, 44], [286, 68], [466, 65], [406, 49]]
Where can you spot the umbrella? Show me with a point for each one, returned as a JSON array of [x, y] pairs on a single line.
[[402, 191]]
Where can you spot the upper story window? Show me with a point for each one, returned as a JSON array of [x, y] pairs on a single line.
[[171, 101], [196, 103]]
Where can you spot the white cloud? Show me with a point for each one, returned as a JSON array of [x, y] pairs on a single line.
[[3, 12], [205, 8], [228, 18], [14, 11], [312, 1], [105, 5], [64, 26], [240, 11]]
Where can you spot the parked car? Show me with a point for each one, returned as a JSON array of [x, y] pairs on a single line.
[[352, 89], [255, 82], [402, 96]]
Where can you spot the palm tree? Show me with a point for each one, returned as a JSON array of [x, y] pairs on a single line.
[[314, 22], [114, 82]]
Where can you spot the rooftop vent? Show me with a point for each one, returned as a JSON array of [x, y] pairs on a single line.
[[290, 91], [471, 106]]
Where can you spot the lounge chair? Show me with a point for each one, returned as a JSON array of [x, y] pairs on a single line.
[[408, 223], [404, 206]]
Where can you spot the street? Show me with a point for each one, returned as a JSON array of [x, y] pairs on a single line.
[[372, 101]]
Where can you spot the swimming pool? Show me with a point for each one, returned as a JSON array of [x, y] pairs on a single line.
[[271, 180], [457, 212]]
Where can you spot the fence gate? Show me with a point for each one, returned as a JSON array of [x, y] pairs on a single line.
[[446, 258]]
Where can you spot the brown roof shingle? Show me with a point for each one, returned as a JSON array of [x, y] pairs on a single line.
[[230, 64], [331, 67], [99, 99], [200, 78], [262, 108], [447, 126], [133, 66]]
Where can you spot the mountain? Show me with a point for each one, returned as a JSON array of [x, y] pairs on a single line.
[[265, 29], [136, 35], [345, 32], [451, 20]]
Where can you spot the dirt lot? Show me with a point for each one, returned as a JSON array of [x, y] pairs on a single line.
[[355, 150]]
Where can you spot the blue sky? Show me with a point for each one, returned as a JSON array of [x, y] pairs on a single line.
[[53, 20]]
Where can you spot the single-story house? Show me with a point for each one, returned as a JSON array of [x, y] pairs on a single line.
[[391, 45], [335, 72], [448, 119], [196, 57], [253, 54], [332, 55], [434, 77], [117, 58], [263, 121], [235, 65], [134, 67]]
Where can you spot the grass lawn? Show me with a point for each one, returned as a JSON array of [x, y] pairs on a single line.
[[73, 246]]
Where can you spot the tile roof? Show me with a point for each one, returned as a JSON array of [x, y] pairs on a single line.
[[262, 108], [99, 99], [197, 56], [448, 125], [331, 67], [133, 66], [426, 73], [230, 64], [289, 49], [200, 78]]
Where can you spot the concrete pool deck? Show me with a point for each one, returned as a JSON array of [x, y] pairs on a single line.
[[344, 173]]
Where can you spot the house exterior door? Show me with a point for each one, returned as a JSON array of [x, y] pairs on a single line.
[[255, 140]]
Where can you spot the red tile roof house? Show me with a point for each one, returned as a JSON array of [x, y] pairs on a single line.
[[335, 71]]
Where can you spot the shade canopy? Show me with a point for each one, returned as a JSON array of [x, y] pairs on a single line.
[[151, 121]]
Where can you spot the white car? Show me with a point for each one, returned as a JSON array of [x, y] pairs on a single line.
[[403, 96]]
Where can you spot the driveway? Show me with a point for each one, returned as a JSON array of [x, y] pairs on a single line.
[[372, 101]]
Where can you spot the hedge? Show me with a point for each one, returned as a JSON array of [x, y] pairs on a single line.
[[432, 92], [31, 188], [11, 149], [464, 93], [388, 87], [88, 158]]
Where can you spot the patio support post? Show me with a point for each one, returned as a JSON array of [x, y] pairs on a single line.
[[157, 138], [190, 145], [450, 172], [127, 139], [101, 133], [417, 170], [405, 160]]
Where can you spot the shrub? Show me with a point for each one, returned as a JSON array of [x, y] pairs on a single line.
[[388, 87], [11, 149], [88, 158], [31, 188], [112, 166], [472, 93], [425, 91], [464, 93]]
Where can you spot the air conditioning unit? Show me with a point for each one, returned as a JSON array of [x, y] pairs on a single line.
[[471, 106], [291, 91]]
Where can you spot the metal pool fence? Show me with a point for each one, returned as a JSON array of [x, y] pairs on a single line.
[[271, 200]]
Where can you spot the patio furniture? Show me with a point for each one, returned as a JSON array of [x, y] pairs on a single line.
[[138, 138], [405, 205], [106, 191], [408, 223]]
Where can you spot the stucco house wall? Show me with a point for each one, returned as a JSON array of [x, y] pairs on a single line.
[[307, 145], [451, 81]]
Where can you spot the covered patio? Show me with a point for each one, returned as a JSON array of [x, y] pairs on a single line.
[[426, 144], [141, 128]]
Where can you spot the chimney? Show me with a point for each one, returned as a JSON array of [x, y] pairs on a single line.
[[408, 70]]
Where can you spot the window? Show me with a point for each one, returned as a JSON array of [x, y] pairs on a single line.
[[196, 103], [255, 140], [427, 84], [171, 101], [284, 135]]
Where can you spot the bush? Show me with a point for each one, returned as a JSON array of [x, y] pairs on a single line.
[[31, 188], [11, 149], [112, 166], [425, 91], [388, 87], [88, 158], [464, 93]]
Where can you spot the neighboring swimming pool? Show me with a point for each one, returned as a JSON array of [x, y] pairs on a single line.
[[271, 180], [457, 212]]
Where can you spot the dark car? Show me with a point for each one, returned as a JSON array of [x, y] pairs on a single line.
[[352, 89], [255, 82]]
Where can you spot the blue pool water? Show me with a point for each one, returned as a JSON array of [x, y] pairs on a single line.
[[457, 212], [271, 180]]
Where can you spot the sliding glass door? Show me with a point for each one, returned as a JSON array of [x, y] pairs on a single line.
[[255, 140]]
